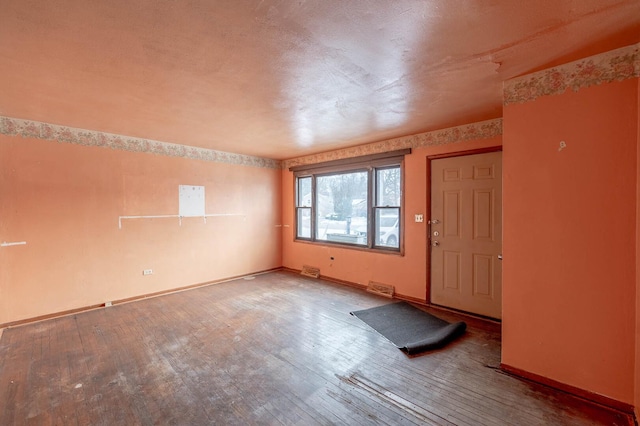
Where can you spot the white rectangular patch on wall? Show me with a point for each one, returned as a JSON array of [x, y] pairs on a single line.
[[191, 201]]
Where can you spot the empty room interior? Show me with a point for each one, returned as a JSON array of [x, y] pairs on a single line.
[[196, 196]]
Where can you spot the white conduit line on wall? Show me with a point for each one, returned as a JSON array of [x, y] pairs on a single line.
[[174, 216], [145, 217], [17, 243]]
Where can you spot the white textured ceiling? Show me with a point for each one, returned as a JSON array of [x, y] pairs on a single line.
[[279, 78]]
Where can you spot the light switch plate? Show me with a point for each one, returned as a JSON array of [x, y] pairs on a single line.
[[419, 218]]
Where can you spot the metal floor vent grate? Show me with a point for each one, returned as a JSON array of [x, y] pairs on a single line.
[[310, 271], [385, 290]]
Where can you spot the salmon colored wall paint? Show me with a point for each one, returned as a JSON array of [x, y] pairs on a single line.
[[570, 238], [407, 273], [64, 201], [637, 366]]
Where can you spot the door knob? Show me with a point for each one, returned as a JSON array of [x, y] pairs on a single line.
[[435, 243], [499, 257], [434, 222]]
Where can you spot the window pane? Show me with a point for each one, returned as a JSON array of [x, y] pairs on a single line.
[[304, 223], [388, 187], [304, 192], [341, 206], [387, 227]]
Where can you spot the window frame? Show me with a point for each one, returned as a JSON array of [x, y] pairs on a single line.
[[371, 164], [377, 205], [299, 206]]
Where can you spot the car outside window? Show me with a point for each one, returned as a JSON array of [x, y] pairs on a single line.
[[358, 205]]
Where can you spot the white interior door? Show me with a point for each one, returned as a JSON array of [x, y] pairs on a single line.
[[466, 233]]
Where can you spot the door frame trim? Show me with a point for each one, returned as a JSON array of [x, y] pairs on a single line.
[[430, 158]]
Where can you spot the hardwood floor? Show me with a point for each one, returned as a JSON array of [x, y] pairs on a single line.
[[277, 349]]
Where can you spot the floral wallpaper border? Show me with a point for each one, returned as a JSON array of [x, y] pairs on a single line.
[[481, 130], [616, 65], [33, 129], [52, 132]]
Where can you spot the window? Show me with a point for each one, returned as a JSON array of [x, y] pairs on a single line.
[[303, 203], [355, 203]]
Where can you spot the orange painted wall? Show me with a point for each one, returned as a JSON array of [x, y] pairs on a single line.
[[64, 201], [569, 270], [637, 366], [407, 273]]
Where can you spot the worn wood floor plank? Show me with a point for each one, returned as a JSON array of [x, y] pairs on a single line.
[[280, 349]]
